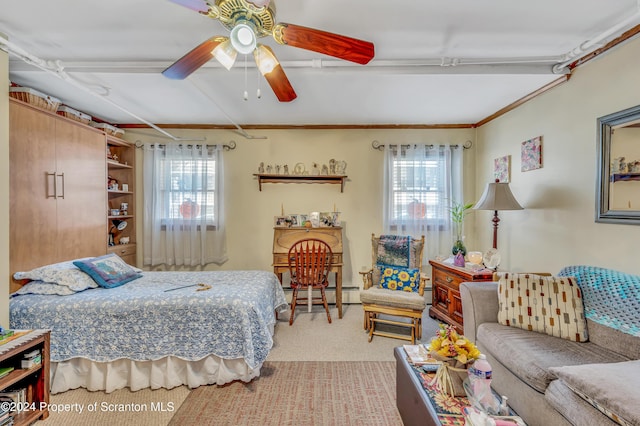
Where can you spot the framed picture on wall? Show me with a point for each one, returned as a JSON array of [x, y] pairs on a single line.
[[531, 154], [502, 169]]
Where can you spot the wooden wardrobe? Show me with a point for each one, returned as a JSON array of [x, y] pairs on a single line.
[[57, 188]]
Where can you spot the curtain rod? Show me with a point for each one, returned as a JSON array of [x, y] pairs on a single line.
[[380, 147], [227, 147]]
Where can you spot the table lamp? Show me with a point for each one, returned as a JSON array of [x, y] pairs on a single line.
[[497, 196]]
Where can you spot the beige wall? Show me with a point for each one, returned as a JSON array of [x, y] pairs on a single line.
[[558, 226], [4, 188], [250, 212]]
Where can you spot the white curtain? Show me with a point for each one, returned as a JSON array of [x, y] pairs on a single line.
[[430, 177], [184, 220]]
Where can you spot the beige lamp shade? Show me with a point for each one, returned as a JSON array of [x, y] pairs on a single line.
[[497, 196]]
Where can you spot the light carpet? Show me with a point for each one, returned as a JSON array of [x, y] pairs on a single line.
[[299, 393]]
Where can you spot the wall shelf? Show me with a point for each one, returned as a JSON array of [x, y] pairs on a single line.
[[270, 178], [617, 177]]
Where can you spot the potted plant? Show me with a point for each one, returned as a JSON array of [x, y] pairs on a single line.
[[458, 213]]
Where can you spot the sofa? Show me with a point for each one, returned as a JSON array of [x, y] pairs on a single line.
[[583, 376]]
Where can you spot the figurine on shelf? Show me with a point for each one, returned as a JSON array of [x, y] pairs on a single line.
[[325, 170], [315, 170], [269, 169], [112, 184], [277, 169], [261, 168], [332, 166], [286, 170], [619, 165]]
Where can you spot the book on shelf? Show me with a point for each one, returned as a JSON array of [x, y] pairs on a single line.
[[5, 333], [15, 335], [5, 418], [5, 370]]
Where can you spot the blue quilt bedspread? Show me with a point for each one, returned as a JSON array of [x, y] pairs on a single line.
[[141, 321]]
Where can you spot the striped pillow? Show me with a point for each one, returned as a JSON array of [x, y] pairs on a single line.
[[545, 304]]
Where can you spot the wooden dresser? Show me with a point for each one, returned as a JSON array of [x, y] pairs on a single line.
[[284, 238], [445, 280]]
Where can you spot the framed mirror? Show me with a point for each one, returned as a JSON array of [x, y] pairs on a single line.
[[618, 154]]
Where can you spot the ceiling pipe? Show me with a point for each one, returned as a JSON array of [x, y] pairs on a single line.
[[529, 65], [57, 69], [596, 42]]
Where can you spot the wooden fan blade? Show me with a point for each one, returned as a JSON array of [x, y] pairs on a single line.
[[193, 60], [280, 84], [274, 74], [197, 5], [336, 45]]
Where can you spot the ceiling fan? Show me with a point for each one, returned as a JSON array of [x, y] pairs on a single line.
[[249, 20]]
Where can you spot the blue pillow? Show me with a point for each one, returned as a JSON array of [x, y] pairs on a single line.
[[108, 271], [399, 278]]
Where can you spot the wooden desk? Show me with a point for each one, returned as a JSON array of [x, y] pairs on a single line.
[[445, 281], [284, 238]]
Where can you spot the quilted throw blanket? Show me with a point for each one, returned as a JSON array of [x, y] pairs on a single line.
[[394, 250], [142, 321], [611, 298]]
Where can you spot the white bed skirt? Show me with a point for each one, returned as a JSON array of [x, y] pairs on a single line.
[[167, 372]]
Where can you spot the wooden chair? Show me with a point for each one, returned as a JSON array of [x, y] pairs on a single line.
[[377, 300], [309, 264]]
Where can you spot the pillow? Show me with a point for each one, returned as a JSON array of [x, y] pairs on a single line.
[[41, 287], [550, 305], [398, 278], [611, 388], [63, 273], [108, 271]]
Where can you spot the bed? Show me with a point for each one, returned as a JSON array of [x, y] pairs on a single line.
[[159, 330]]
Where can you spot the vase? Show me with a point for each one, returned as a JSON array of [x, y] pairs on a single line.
[[458, 246], [449, 378]]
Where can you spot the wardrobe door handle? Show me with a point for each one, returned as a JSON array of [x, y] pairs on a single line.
[[55, 188], [449, 279], [61, 196]]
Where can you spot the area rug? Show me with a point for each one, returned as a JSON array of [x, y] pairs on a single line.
[[299, 393]]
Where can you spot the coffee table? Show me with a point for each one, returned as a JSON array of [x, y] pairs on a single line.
[[420, 403]]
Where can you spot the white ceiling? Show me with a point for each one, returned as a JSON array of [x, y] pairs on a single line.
[[118, 48]]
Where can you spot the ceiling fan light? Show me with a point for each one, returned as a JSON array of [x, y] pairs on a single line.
[[265, 60], [225, 54], [243, 38]]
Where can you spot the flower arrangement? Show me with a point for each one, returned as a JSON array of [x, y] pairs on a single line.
[[454, 351], [453, 346]]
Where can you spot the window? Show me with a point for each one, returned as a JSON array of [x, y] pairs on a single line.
[[183, 205], [417, 192], [189, 188], [420, 181]]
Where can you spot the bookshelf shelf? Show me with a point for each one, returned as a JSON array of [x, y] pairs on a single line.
[[34, 380]]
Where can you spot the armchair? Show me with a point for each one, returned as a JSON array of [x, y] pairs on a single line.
[[394, 286]]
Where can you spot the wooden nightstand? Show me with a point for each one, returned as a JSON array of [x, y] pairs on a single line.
[[445, 280]]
